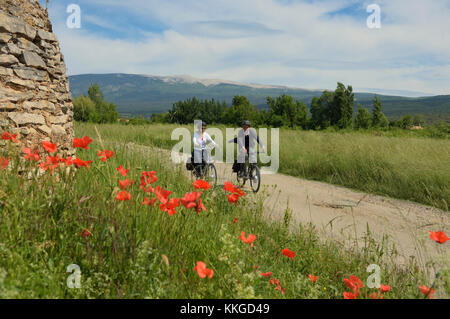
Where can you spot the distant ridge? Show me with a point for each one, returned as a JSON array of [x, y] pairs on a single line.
[[137, 94]]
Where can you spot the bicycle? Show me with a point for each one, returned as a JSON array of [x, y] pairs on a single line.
[[206, 170], [252, 174]]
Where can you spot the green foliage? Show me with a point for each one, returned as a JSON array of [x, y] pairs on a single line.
[[284, 110], [93, 108], [363, 118], [378, 117]]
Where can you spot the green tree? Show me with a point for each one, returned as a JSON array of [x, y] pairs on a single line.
[[418, 120], [83, 109], [320, 110], [342, 107], [407, 122], [378, 117], [363, 118], [292, 113]]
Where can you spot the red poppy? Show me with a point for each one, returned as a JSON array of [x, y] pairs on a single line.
[[354, 283], [376, 295], [249, 240], [122, 171], [233, 199], [51, 163], [148, 178], [85, 233], [149, 202], [312, 278], [49, 147], [11, 137], [427, 291], [267, 274], [190, 200], [385, 288], [170, 206], [4, 162], [350, 295], [104, 155], [235, 220], [125, 184], [274, 281], [29, 155], [68, 161], [439, 237], [162, 194], [82, 142], [288, 253], [202, 271], [201, 184], [124, 195], [79, 163]]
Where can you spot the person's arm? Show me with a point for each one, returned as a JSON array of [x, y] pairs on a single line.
[[209, 139], [195, 140], [241, 141], [258, 140]]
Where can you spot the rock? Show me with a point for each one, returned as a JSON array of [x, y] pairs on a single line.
[[39, 105], [5, 71], [25, 83], [59, 119], [26, 118], [16, 25], [33, 60], [31, 74], [4, 38], [8, 60], [13, 49], [8, 106], [58, 130], [45, 129], [44, 35], [27, 45], [11, 95]]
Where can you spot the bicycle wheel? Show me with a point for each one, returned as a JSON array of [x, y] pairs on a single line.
[[211, 175], [255, 178]]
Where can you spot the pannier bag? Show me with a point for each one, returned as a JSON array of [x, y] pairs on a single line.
[[189, 165], [235, 166]]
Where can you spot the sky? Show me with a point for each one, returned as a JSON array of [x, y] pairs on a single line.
[[298, 43]]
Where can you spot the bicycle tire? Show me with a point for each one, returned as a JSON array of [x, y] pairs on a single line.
[[211, 178], [255, 178]]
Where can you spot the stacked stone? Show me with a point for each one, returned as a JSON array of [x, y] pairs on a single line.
[[35, 99]]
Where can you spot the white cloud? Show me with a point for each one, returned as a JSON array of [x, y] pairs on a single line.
[[273, 42]]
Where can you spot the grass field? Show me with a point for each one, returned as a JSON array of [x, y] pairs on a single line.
[[408, 166], [128, 250]]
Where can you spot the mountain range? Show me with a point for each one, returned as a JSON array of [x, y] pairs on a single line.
[[145, 94]]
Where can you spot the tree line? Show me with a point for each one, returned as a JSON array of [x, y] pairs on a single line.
[[93, 107]]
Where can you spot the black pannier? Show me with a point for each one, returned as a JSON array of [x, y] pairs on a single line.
[[236, 166], [189, 164]]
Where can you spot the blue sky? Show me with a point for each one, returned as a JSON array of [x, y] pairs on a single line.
[[299, 43]]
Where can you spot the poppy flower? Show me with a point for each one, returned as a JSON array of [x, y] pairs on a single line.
[[427, 291], [349, 295], [249, 240], [439, 237], [267, 274], [79, 163], [85, 233], [49, 147], [385, 288], [170, 206], [29, 155], [233, 199], [104, 155], [162, 194], [312, 278], [148, 178], [201, 184], [122, 171], [376, 295], [229, 187], [235, 220], [8, 136], [190, 200], [50, 163], [82, 142], [124, 195], [288, 253], [354, 283], [4, 162], [125, 184], [68, 161], [149, 202], [202, 271]]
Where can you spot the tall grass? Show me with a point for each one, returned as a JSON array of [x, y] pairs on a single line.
[[405, 167], [136, 251]]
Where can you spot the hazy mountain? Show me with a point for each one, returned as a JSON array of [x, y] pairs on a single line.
[[144, 94]]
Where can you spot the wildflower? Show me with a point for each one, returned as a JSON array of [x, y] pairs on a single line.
[[439, 237], [288, 253], [8, 136], [4, 162], [349, 295], [125, 184], [249, 240], [202, 271], [124, 195], [235, 220], [427, 291], [29, 155], [148, 178], [233, 198], [170, 206], [312, 278], [105, 154], [85, 233], [149, 202], [122, 171], [354, 283], [79, 163], [162, 194], [376, 295], [235, 193], [385, 288], [192, 200], [267, 274], [51, 163], [201, 184], [82, 142], [49, 147]]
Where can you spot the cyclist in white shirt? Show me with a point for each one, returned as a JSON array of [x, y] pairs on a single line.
[[201, 139]]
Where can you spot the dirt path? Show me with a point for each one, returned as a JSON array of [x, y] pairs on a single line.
[[344, 215]]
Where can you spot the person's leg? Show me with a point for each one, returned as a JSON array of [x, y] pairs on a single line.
[[241, 164]]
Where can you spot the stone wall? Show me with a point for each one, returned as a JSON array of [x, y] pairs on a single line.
[[35, 99]]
